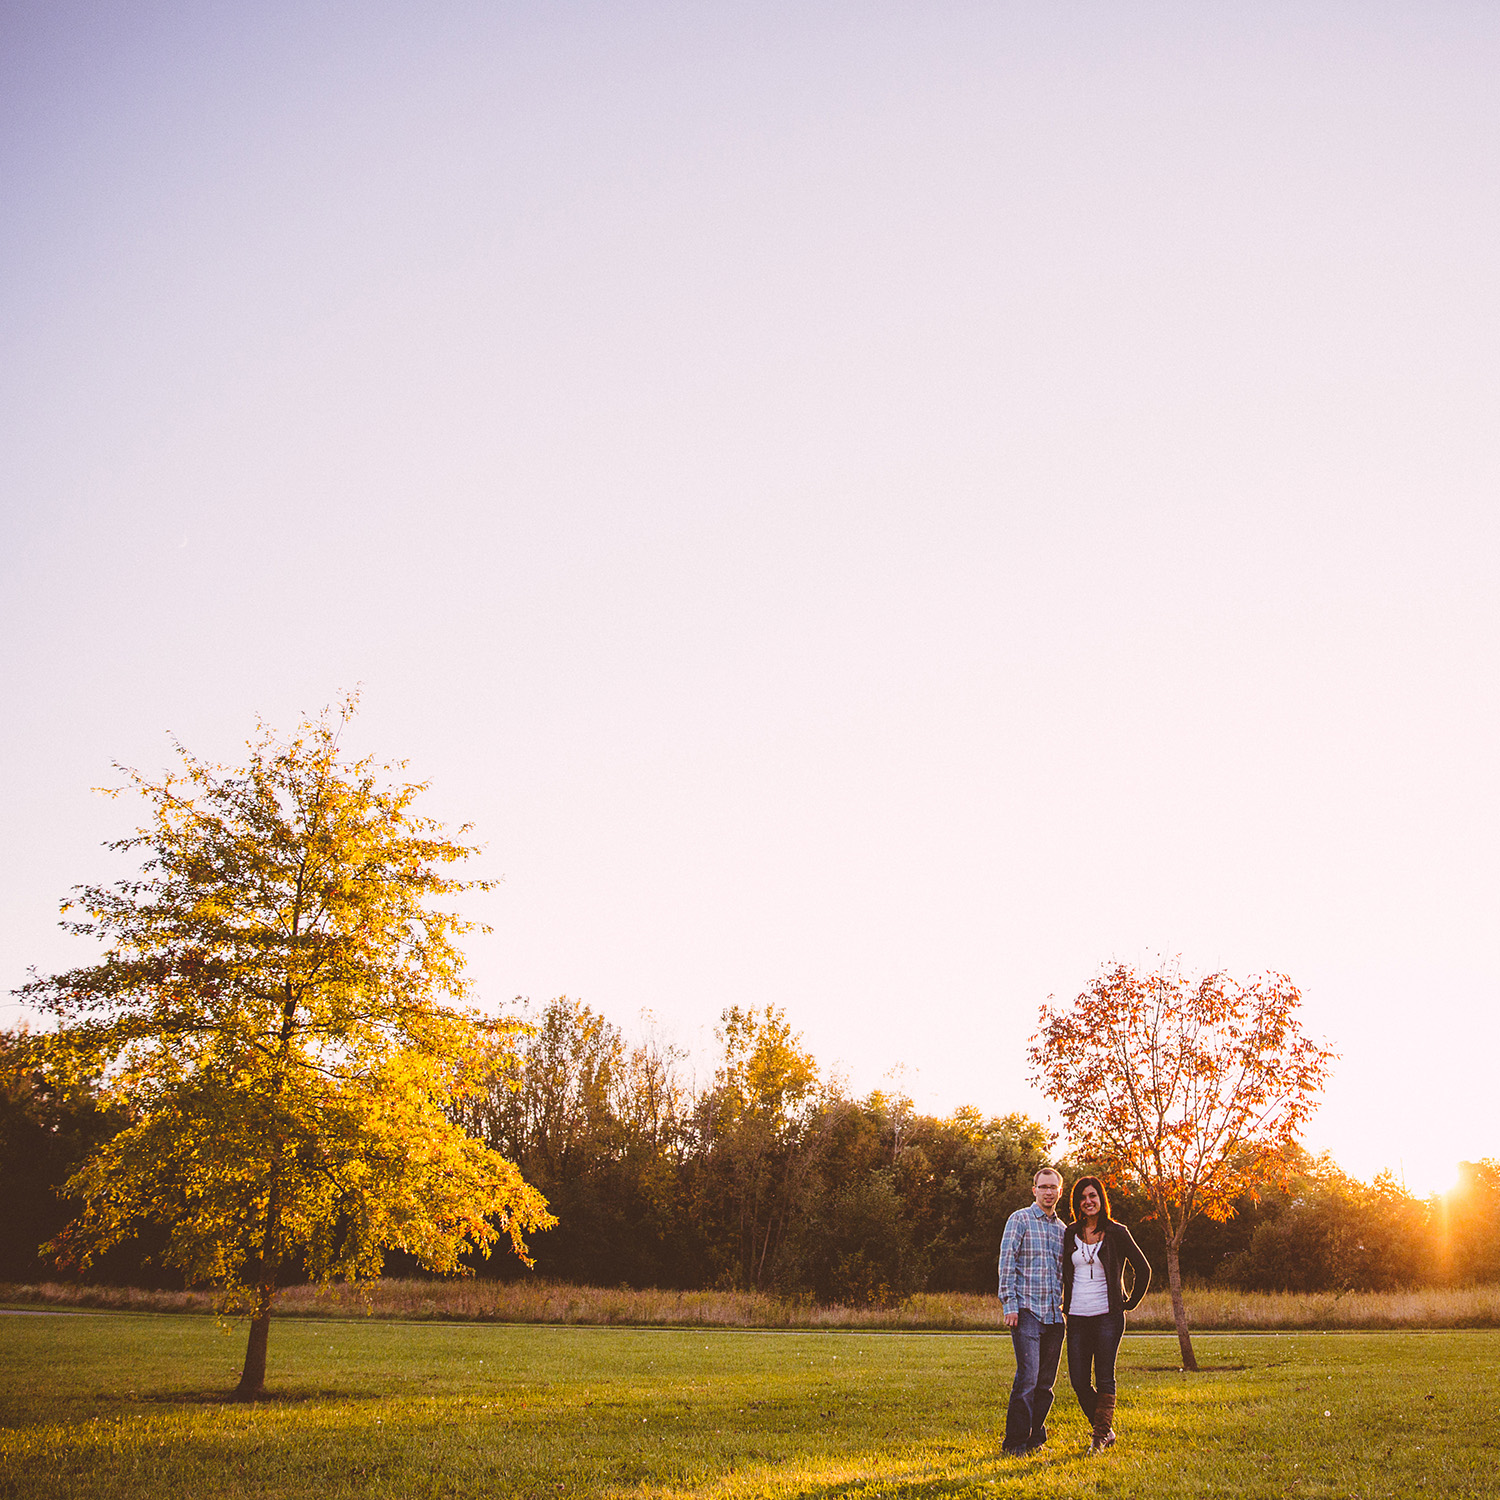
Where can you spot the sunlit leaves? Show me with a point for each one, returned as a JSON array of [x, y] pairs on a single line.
[[763, 1111], [280, 1010], [1189, 1090]]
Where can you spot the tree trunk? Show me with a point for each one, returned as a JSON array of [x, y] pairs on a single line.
[[1179, 1311], [253, 1379]]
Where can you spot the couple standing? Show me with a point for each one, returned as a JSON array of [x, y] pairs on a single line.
[[1051, 1272]]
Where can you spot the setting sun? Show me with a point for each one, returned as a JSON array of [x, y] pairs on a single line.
[[1429, 1173]]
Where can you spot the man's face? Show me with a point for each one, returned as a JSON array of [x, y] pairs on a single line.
[[1046, 1189]]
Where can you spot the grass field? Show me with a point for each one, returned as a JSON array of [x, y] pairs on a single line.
[[119, 1404]]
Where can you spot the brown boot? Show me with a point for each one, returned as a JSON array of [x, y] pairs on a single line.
[[1104, 1415]]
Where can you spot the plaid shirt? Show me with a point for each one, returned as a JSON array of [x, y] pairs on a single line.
[[1031, 1264]]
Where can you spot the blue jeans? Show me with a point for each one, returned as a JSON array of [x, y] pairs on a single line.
[[1094, 1341], [1038, 1347]]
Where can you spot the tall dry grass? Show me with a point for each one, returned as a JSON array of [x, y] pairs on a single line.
[[551, 1302], [1420, 1307]]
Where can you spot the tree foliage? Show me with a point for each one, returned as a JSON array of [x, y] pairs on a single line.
[[1191, 1090], [893, 1201], [600, 1127], [767, 1175], [1326, 1230], [762, 1116], [280, 1016], [51, 1118]]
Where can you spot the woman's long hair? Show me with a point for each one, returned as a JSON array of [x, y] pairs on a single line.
[[1077, 1194]]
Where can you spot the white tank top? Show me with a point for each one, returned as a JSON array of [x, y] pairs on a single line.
[[1090, 1289]]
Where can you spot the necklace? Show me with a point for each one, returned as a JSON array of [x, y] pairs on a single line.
[[1090, 1260]]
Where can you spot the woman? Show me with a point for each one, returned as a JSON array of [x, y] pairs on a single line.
[[1096, 1251]]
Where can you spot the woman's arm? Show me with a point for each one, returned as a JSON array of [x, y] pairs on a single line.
[[1137, 1258]]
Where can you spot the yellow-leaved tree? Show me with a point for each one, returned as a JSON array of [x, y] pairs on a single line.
[[764, 1110], [281, 1011]]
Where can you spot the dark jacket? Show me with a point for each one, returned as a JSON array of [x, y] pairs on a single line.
[[1116, 1250]]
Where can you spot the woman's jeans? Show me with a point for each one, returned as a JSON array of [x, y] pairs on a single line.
[[1093, 1342], [1037, 1345]]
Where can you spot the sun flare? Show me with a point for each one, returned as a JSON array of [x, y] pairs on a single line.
[[1428, 1173]]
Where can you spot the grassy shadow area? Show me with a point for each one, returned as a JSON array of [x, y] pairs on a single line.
[[117, 1405]]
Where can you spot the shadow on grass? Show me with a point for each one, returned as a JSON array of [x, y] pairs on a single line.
[[1178, 1369], [221, 1396]]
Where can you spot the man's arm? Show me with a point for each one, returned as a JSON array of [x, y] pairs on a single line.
[[1010, 1268]]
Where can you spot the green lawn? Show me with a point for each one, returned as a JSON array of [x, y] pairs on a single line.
[[129, 1404]]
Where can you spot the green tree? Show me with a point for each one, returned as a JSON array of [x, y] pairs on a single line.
[[279, 1013], [600, 1125], [1330, 1232], [50, 1119], [981, 1171], [549, 1106]]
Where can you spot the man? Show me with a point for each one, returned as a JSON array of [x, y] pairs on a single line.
[[1031, 1296]]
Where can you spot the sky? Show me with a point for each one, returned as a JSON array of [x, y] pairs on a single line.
[[875, 509]]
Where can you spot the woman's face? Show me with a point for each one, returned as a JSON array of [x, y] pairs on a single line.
[[1088, 1202]]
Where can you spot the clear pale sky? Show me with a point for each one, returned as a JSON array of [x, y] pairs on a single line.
[[876, 509]]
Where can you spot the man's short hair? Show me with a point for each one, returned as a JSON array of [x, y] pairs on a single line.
[[1040, 1170]]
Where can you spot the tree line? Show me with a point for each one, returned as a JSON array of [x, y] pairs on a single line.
[[275, 1071], [769, 1176]]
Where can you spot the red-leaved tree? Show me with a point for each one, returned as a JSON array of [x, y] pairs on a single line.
[[1188, 1090]]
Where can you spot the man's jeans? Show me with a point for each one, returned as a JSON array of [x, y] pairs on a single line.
[[1038, 1347]]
